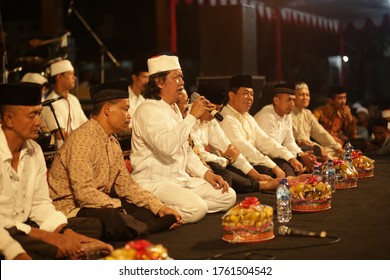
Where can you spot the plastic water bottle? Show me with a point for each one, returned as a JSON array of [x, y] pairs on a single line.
[[283, 202], [347, 157], [316, 172], [330, 175]]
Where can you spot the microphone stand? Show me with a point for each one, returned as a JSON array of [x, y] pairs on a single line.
[[103, 48], [4, 58], [55, 118]]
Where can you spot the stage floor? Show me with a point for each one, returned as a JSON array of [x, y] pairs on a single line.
[[358, 223]]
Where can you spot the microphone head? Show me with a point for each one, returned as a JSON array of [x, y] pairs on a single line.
[[193, 97], [283, 230]]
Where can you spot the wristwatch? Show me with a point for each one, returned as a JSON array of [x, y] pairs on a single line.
[[230, 160], [298, 156]]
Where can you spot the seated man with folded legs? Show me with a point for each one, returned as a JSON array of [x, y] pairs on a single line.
[[265, 154], [306, 127], [30, 226], [212, 145], [161, 154], [275, 120], [88, 177]]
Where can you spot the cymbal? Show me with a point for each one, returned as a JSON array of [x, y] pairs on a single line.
[[31, 63], [30, 59]]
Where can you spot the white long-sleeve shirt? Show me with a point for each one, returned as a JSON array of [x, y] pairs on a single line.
[[277, 127], [160, 149], [134, 101], [255, 145], [306, 126], [210, 133], [9, 247], [69, 113], [24, 194]]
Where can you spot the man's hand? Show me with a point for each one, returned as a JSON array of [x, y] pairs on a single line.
[[104, 248], [69, 244], [279, 173], [201, 105], [165, 210], [340, 152], [216, 181], [309, 159], [257, 176], [298, 167]]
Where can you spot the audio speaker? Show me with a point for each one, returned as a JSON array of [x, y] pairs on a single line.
[[228, 40]]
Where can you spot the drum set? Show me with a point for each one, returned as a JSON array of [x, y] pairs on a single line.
[[47, 142], [36, 55], [33, 55]]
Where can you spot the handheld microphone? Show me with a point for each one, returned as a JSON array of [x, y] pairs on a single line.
[[49, 101], [214, 113], [283, 230]]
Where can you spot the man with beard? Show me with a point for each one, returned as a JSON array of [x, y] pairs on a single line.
[[161, 154]]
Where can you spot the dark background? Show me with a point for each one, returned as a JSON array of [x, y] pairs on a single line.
[[130, 31]]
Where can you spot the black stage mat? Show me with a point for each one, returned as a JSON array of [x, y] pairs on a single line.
[[360, 217]]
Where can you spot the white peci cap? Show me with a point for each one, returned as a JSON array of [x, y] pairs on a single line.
[[60, 67], [362, 110], [163, 63], [34, 78]]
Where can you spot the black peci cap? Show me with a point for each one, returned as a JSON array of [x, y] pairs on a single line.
[[25, 94], [240, 81], [108, 91], [284, 88], [337, 90]]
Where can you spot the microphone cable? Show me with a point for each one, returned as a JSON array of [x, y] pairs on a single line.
[[254, 254]]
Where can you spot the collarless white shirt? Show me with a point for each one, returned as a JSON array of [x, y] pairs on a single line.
[[306, 126], [160, 149], [255, 145], [134, 101], [210, 133], [69, 113], [277, 127]]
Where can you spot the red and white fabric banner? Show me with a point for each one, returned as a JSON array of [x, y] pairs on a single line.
[[268, 13], [288, 15]]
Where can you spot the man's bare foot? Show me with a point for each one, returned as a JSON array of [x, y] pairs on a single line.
[[300, 178], [269, 185]]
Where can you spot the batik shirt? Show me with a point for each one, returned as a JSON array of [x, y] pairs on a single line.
[[340, 124], [88, 166]]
